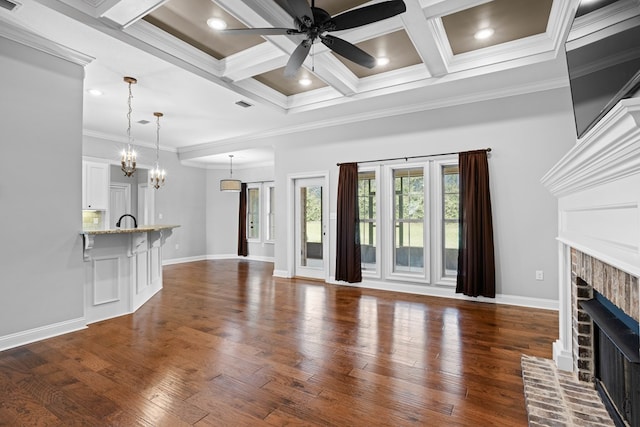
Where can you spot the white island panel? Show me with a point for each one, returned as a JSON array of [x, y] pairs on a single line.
[[123, 270]]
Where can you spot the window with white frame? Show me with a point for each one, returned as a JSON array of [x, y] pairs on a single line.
[[253, 213], [409, 221], [450, 218], [367, 209], [269, 215]]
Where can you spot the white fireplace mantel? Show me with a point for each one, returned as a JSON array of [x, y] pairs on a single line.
[[597, 184], [598, 188]]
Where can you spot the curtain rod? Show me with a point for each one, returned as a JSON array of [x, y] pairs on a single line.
[[488, 150], [256, 182]]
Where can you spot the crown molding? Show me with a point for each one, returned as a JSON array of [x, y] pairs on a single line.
[[214, 147], [608, 152], [20, 34], [122, 140]]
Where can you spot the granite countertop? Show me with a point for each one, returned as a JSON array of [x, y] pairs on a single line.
[[141, 229]]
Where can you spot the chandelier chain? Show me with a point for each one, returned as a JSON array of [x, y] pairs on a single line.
[[129, 114], [128, 158], [157, 140]]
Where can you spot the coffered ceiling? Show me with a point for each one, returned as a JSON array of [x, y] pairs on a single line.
[[419, 44], [198, 74]]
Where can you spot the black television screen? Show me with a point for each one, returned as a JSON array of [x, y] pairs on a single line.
[[604, 67]]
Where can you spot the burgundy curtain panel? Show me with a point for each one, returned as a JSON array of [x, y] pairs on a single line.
[[476, 263], [348, 267], [243, 246]]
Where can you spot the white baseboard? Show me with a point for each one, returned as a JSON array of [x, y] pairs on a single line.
[[562, 357], [41, 333], [445, 292], [183, 260], [234, 256], [282, 273]]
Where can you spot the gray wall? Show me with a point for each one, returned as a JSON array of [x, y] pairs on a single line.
[[222, 213], [181, 201], [41, 267], [528, 135]]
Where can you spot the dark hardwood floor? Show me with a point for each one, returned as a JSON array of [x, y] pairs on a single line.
[[226, 344]]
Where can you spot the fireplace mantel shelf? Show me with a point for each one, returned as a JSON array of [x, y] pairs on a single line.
[[608, 152]]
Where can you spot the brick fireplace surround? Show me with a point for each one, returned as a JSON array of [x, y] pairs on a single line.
[[619, 287]]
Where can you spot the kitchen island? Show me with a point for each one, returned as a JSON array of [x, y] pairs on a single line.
[[123, 269]]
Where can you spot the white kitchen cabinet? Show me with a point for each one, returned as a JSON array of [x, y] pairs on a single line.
[[95, 185]]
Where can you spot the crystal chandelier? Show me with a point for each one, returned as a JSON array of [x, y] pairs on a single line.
[[128, 158], [157, 175]]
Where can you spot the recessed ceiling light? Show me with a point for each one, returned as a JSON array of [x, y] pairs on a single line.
[[216, 23], [483, 34], [305, 81], [95, 92], [382, 61]]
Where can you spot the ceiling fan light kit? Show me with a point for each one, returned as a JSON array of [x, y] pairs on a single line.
[[314, 23]]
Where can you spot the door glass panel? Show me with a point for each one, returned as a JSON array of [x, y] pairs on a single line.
[[451, 218], [368, 218], [311, 222], [409, 220]]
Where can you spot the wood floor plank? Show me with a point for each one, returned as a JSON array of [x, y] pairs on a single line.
[[227, 344]]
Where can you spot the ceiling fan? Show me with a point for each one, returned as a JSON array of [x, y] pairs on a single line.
[[314, 23]]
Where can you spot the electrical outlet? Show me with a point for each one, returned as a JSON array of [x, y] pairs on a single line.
[[539, 275], [159, 216], [177, 246]]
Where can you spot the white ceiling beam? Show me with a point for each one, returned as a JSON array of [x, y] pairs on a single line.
[[126, 12], [439, 8], [253, 61], [333, 72], [426, 38]]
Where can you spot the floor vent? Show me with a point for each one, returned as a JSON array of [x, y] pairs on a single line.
[[9, 5]]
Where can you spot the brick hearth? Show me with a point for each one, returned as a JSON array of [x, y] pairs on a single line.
[[558, 398]]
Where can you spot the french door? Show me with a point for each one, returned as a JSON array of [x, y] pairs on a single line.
[[310, 234]]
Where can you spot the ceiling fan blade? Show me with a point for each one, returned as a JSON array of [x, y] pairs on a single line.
[[260, 31], [301, 9], [349, 51], [297, 58], [367, 14]]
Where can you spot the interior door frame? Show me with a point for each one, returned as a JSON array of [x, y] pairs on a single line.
[[291, 218], [146, 204], [127, 191]]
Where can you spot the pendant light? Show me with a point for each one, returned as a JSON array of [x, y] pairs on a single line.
[[231, 185], [157, 175], [128, 158]]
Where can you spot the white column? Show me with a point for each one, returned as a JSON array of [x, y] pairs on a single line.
[[563, 347]]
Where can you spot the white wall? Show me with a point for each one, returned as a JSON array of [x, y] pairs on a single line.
[[181, 201], [222, 214], [528, 135], [41, 267]]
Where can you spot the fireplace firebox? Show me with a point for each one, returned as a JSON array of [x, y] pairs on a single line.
[[616, 351]]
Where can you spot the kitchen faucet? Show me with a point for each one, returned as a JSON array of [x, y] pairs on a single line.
[[135, 223]]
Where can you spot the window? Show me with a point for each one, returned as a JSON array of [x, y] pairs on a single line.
[[270, 224], [450, 218], [408, 220], [253, 213], [367, 189]]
